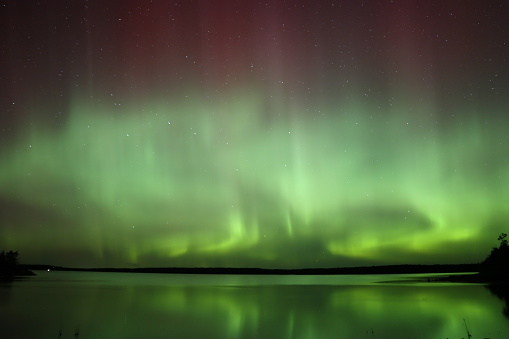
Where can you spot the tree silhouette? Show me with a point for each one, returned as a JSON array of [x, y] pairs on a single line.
[[9, 260], [503, 241], [496, 265], [9, 266]]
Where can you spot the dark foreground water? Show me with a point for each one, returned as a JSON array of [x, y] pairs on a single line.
[[147, 306]]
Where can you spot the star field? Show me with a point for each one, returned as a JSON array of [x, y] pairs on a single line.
[[250, 134]]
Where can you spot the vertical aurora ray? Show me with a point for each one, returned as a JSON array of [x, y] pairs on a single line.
[[280, 138], [166, 185]]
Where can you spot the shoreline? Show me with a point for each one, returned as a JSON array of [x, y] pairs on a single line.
[[363, 270]]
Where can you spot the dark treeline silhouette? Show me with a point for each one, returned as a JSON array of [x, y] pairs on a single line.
[[495, 271], [9, 265], [387, 269], [496, 266], [8, 259], [492, 270]]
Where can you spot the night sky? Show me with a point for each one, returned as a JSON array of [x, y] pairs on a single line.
[[253, 133]]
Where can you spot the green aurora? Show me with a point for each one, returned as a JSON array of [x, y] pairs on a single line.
[[212, 133], [186, 183]]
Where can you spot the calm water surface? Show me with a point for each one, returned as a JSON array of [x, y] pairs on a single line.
[[134, 305]]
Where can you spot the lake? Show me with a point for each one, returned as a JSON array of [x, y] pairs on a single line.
[[140, 305]]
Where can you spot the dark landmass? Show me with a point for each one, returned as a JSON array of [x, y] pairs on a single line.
[[17, 272], [10, 268], [387, 269], [493, 270]]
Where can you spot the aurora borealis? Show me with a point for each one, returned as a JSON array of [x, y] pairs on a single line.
[[251, 134]]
